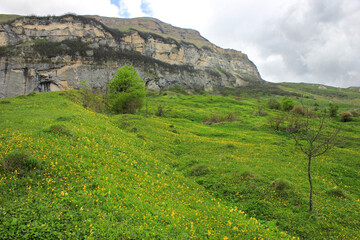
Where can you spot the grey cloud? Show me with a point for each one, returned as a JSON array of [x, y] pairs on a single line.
[[314, 42]]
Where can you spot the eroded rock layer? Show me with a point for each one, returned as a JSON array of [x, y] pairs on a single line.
[[54, 53]]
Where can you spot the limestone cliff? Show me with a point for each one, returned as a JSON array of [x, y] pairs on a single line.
[[53, 53]]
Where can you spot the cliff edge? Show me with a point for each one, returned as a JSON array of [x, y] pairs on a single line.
[[40, 54]]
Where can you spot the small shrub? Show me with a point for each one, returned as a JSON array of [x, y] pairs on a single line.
[[31, 94], [60, 129], [247, 174], [91, 99], [229, 146], [273, 104], [287, 104], [5, 102], [21, 162], [214, 118], [63, 119], [178, 89], [199, 170], [281, 185], [141, 136], [277, 121], [133, 130], [355, 113], [336, 192], [261, 112], [333, 109], [295, 123], [346, 116], [160, 111], [299, 110]]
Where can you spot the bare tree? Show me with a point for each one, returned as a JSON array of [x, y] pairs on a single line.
[[314, 139]]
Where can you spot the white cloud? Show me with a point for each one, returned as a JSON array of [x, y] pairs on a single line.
[[55, 7], [298, 40]]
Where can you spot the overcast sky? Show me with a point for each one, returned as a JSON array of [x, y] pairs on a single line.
[[315, 41]]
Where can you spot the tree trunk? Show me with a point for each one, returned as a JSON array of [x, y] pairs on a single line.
[[311, 187]]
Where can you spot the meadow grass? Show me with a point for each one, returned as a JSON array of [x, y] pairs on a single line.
[[172, 176]]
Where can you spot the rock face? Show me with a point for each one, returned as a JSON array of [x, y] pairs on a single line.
[[55, 53]]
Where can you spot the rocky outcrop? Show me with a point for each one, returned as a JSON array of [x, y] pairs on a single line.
[[55, 53]]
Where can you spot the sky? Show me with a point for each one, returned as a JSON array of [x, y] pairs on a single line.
[[313, 41]]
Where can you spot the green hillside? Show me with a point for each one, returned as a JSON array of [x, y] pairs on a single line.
[[185, 166]]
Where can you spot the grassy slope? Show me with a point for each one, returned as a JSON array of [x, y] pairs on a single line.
[[143, 176], [8, 17], [99, 181]]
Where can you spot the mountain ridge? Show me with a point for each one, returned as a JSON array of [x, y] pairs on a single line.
[[75, 44]]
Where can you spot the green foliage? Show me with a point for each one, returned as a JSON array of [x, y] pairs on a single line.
[[67, 47], [107, 182], [273, 104], [277, 121], [60, 129], [19, 162], [281, 185], [336, 192], [5, 102], [178, 89], [346, 116], [355, 112], [199, 170], [333, 109], [126, 91], [287, 104]]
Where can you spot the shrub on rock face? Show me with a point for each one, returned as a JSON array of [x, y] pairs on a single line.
[[126, 91], [346, 116]]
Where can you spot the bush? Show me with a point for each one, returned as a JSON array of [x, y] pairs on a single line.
[[126, 91], [277, 121], [299, 110], [346, 116], [333, 109], [199, 170], [336, 192], [214, 118], [281, 185], [273, 104], [91, 99], [21, 162], [295, 123], [60, 129], [287, 104], [355, 113]]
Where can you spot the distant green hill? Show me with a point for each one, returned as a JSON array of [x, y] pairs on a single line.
[[185, 166]]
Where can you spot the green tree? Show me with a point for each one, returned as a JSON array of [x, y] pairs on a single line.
[[126, 91]]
